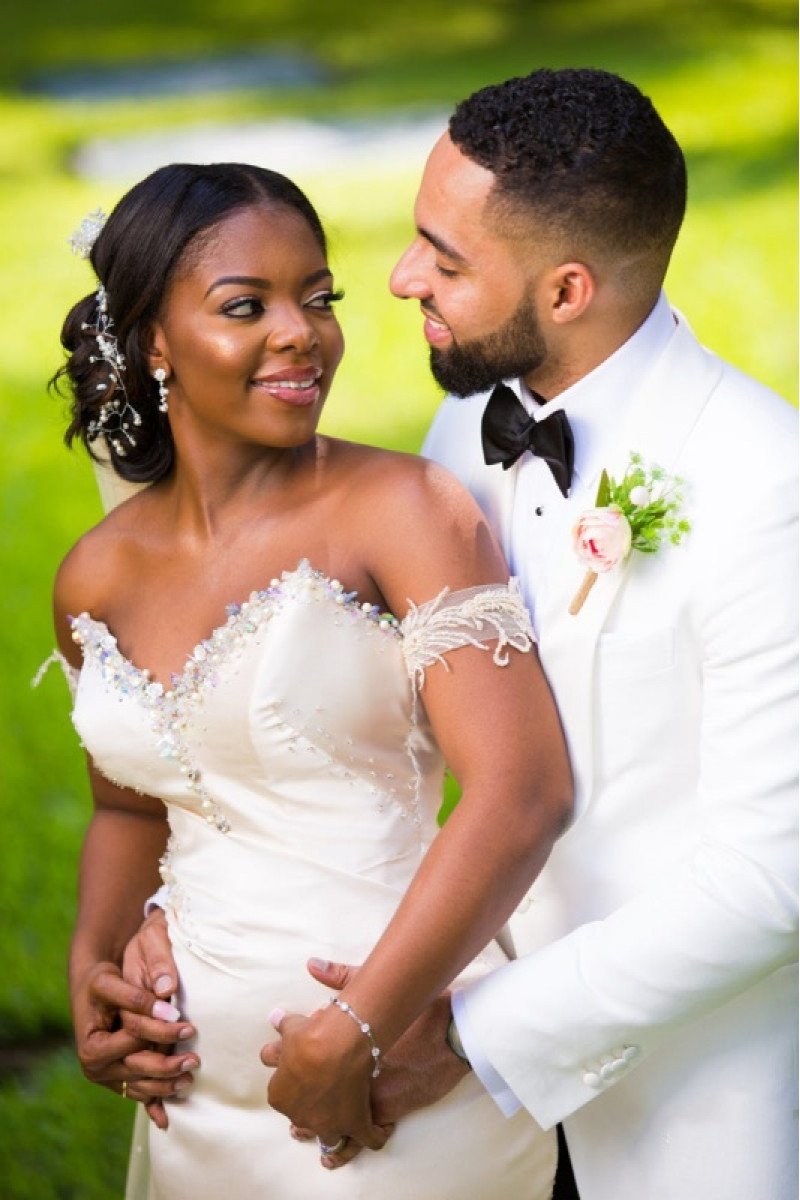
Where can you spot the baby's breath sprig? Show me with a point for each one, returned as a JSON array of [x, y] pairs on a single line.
[[651, 500]]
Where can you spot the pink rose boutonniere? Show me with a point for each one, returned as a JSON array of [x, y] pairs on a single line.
[[637, 513]]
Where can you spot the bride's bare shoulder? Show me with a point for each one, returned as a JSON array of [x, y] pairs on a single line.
[[392, 477], [437, 530], [95, 563]]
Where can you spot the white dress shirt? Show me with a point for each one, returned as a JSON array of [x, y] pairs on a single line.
[[594, 407]]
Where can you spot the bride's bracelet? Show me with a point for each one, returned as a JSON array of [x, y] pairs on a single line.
[[365, 1028]]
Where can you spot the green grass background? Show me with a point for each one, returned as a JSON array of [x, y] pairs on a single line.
[[723, 74]]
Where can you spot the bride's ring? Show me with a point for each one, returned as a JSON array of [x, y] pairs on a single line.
[[335, 1148], [124, 1090]]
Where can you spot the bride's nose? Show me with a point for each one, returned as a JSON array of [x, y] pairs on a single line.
[[291, 330]]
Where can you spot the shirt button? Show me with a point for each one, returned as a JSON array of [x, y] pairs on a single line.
[[538, 510]]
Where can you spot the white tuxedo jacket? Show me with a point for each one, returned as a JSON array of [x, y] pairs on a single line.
[[650, 1007]]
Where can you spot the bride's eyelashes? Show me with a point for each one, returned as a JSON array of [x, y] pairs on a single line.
[[247, 307], [325, 300], [242, 307]]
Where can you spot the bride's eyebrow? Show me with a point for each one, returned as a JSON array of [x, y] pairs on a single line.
[[264, 284]]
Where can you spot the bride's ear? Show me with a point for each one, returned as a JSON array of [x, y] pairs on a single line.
[[157, 353]]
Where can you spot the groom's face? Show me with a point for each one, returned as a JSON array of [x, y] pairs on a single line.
[[476, 288]]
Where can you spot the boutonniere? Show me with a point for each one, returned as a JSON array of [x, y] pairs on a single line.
[[638, 513]]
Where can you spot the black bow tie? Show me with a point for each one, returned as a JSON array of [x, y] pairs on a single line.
[[507, 432]]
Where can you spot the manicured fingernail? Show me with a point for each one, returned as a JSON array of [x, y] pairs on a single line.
[[163, 984], [319, 964], [185, 1032], [190, 1064], [182, 1084], [166, 1012], [276, 1016]]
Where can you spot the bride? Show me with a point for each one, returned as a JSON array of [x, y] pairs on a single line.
[[273, 649]]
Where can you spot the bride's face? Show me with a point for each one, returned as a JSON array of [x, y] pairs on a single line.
[[247, 333]]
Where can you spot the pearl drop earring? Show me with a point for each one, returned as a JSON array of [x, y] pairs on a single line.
[[160, 376]]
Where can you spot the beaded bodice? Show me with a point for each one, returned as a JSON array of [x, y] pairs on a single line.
[[296, 729]]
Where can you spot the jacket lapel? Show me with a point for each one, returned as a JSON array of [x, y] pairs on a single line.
[[660, 420]]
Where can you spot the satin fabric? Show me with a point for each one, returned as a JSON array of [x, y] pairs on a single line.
[[302, 783]]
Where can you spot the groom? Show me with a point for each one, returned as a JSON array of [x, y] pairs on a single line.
[[650, 1009], [651, 1006]]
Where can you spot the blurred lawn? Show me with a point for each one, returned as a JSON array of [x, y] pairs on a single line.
[[722, 73]]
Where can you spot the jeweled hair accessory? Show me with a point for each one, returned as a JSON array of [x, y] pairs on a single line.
[[117, 415], [87, 233]]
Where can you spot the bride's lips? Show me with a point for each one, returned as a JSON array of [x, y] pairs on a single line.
[[435, 331], [297, 386]]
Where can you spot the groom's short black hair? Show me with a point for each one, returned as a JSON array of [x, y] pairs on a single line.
[[582, 150]]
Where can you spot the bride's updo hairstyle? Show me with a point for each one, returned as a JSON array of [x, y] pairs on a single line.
[[151, 233]]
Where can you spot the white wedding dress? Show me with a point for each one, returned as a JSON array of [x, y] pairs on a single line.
[[302, 783]]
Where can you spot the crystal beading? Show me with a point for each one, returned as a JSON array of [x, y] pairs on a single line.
[[168, 709], [116, 414], [427, 633], [87, 233]]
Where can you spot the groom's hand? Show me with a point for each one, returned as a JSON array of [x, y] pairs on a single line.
[[113, 1052]]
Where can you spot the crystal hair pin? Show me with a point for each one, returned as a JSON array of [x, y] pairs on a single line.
[[117, 414], [87, 233]]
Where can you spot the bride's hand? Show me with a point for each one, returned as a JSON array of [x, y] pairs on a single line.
[[322, 1082], [418, 1070]]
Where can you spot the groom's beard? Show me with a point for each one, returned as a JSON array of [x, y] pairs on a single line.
[[515, 349]]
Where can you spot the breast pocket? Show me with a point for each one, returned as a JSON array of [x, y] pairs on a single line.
[[621, 657], [635, 685]]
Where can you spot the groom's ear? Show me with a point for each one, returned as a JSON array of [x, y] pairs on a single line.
[[571, 288]]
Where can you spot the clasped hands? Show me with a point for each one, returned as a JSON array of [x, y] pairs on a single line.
[[323, 1081], [128, 1032]]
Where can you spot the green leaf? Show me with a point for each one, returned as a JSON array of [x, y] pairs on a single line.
[[603, 491]]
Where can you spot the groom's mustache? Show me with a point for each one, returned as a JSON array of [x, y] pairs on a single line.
[[430, 310]]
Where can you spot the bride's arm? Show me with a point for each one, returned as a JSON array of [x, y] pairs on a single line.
[[119, 870], [125, 838], [500, 733]]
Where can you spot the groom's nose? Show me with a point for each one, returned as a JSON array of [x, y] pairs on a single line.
[[409, 279]]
